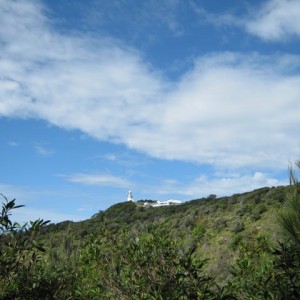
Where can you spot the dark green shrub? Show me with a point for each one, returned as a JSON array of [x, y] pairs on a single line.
[[238, 227]]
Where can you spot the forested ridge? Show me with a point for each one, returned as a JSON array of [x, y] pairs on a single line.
[[244, 246]]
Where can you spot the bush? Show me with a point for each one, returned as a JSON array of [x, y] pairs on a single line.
[[144, 266]]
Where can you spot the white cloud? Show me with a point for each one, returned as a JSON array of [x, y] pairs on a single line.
[[111, 157], [44, 151], [230, 110], [276, 20], [98, 180], [222, 186], [219, 20], [273, 20]]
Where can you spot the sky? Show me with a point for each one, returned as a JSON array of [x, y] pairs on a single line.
[[171, 99]]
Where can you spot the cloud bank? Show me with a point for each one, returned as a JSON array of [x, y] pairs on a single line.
[[229, 110]]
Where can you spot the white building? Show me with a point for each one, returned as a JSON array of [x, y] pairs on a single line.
[[129, 197], [163, 203]]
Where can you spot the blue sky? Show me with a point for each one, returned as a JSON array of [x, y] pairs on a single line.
[[167, 98]]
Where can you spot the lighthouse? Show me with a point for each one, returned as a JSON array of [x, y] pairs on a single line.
[[129, 197]]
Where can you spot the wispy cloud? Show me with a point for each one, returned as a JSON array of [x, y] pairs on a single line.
[[26, 214], [22, 194], [125, 159], [98, 180], [13, 144], [276, 20], [44, 151], [272, 20], [218, 20], [35, 198]]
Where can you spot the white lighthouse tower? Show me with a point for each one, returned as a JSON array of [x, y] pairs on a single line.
[[130, 197]]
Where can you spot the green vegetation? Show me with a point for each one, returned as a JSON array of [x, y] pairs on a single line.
[[246, 246]]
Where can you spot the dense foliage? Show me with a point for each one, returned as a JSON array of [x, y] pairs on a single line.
[[246, 246]]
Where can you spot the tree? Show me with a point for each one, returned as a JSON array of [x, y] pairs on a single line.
[[290, 218], [19, 254]]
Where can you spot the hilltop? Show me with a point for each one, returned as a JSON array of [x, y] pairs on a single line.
[[214, 227]]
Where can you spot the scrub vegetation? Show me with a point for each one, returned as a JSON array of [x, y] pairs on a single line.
[[246, 246]]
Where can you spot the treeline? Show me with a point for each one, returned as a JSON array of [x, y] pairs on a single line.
[[242, 247]]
